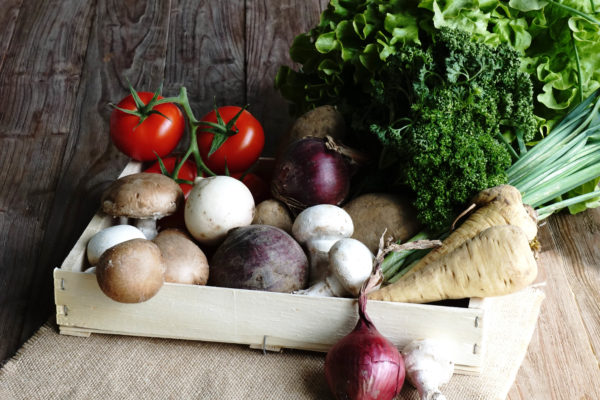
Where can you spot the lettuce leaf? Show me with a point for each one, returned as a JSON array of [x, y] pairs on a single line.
[[559, 42]]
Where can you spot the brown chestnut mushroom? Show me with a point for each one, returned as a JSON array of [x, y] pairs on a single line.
[[145, 197], [131, 272], [184, 261]]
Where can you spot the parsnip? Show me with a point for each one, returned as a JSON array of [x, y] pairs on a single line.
[[495, 262], [499, 205]]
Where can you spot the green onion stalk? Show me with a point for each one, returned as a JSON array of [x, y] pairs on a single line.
[[567, 158]]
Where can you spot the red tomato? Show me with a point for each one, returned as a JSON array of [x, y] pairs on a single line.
[[258, 187], [187, 171], [156, 134], [239, 151]]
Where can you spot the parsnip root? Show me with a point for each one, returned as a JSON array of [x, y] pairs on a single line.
[[499, 205], [495, 262]]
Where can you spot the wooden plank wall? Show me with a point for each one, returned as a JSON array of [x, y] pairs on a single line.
[[61, 63]]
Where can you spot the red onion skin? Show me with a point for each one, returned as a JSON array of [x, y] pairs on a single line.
[[364, 365], [309, 174]]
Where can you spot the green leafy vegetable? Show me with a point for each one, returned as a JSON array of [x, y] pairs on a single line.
[[559, 43], [461, 96], [567, 161]]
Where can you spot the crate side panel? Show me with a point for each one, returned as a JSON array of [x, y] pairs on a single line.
[[249, 317]]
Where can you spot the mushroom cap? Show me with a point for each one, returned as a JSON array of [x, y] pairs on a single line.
[[109, 237], [216, 205], [184, 261], [142, 195], [131, 272], [322, 220], [351, 262]]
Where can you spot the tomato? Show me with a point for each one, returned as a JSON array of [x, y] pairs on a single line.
[[155, 134], [240, 150], [187, 171], [258, 187]]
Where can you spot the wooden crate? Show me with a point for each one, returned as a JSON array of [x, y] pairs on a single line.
[[263, 320]]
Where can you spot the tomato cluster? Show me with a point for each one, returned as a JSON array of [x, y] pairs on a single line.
[[229, 139]]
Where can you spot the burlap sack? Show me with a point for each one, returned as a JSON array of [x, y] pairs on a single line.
[[53, 366]]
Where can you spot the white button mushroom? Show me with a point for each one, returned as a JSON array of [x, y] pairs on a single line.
[[318, 228], [145, 197], [350, 265], [109, 237], [216, 205]]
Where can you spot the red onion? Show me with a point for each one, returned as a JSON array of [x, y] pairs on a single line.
[[309, 173], [364, 365]]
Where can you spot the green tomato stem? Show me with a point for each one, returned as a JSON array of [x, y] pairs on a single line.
[[192, 149]]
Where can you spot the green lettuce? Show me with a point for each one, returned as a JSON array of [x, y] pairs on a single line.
[[559, 43]]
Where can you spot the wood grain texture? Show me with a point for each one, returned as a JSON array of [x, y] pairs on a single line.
[[226, 315], [8, 20], [205, 53], [117, 43], [270, 32], [40, 72], [562, 359]]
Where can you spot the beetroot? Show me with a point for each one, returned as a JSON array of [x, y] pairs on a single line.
[[259, 257]]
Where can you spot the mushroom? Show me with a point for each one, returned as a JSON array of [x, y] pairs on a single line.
[[143, 196], [318, 228], [184, 261], [350, 265], [428, 366], [109, 237], [131, 272], [215, 205]]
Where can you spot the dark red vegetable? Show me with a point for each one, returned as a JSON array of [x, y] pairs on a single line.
[[364, 365], [257, 185], [259, 257], [309, 173]]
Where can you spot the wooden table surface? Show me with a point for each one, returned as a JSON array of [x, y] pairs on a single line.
[[62, 62]]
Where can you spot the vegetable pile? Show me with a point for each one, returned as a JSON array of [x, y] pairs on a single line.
[[460, 97], [393, 67], [557, 42], [475, 121]]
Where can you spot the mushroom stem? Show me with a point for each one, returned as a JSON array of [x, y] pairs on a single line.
[[318, 255], [350, 264], [328, 287], [318, 228], [147, 226]]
